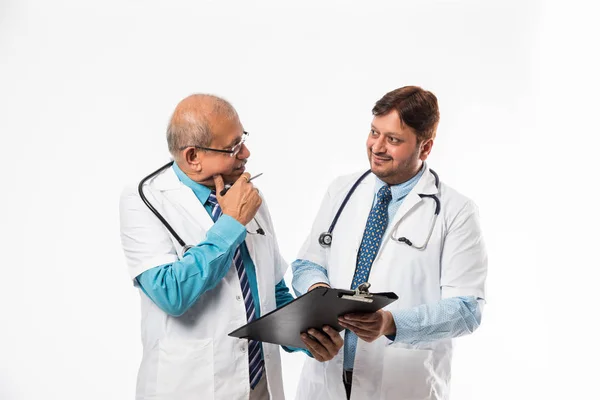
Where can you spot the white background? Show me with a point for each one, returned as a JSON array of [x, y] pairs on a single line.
[[86, 90]]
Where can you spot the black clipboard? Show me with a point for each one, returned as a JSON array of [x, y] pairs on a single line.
[[320, 306]]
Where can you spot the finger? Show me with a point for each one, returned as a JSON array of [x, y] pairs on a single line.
[[245, 177], [364, 334], [358, 327], [361, 325], [319, 348], [219, 184], [259, 201], [361, 317], [314, 352], [314, 347], [335, 336], [330, 347], [256, 196]]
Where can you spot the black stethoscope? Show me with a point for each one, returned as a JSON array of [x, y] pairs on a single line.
[[186, 247], [326, 238]]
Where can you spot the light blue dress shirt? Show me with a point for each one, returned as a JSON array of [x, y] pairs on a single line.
[[447, 318]]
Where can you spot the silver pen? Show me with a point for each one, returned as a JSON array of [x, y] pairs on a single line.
[[226, 188]]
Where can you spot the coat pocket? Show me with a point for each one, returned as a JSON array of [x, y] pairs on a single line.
[[185, 370], [407, 374]]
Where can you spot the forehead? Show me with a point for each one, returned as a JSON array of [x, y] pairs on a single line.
[[226, 131], [391, 123]]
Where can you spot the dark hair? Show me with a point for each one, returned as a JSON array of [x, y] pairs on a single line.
[[417, 108]]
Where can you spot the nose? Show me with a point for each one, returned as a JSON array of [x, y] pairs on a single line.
[[378, 146], [244, 153]]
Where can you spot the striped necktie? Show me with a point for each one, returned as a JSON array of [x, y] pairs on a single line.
[[376, 225], [254, 350]]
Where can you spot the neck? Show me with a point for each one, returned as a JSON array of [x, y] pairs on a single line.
[[196, 176], [398, 179]]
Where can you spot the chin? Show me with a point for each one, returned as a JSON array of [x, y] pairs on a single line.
[[232, 177], [380, 172], [377, 169], [229, 179]]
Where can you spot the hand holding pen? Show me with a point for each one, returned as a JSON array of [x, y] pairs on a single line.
[[241, 201], [227, 187]]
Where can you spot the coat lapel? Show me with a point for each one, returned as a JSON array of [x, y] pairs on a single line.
[[182, 200], [425, 185]]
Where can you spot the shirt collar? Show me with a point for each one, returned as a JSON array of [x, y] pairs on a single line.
[[201, 191], [400, 190]]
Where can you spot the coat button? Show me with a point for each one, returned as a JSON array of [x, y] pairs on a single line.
[[238, 297], [243, 349]]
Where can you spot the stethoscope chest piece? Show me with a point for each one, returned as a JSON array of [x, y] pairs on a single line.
[[325, 239]]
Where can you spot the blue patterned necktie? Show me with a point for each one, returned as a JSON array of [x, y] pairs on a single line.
[[376, 225], [255, 361]]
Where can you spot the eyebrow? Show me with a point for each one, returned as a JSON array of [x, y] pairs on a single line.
[[387, 133], [235, 141]]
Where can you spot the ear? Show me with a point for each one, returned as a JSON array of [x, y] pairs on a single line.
[[192, 158], [426, 149]]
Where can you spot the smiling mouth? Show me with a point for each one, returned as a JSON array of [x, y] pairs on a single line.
[[379, 158]]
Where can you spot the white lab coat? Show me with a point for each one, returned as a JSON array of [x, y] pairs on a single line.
[[191, 357], [453, 264]]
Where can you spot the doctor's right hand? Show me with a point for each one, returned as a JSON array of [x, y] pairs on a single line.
[[241, 201], [323, 347]]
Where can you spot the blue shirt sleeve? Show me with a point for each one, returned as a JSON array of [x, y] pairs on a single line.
[[306, 274], [282, 294], [176, 287], [448, 318]]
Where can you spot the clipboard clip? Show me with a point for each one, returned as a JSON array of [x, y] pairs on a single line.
[[361, 293]]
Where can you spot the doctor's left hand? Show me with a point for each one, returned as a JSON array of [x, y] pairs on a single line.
[[323, 347], [369, 327]]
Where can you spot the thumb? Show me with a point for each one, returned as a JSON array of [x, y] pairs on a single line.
[[218, 184]]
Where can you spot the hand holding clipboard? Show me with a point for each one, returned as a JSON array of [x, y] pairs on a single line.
[[315, 309]]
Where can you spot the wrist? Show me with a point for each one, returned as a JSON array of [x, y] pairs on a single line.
[[390, 324], [235, 216], [316, 285]]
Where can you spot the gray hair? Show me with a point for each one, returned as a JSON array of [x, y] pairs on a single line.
[[190, 124]]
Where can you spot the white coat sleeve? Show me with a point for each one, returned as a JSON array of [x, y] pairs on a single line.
[[146, 242], [464, 257]]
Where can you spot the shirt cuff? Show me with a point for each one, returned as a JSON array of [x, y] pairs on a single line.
[[306, 274], [426, 323], [290, 349], [229, 230]]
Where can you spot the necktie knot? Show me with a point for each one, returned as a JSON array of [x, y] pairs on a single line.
[[384, 196]]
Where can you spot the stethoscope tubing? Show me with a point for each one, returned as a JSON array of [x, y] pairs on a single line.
[[151, 207], [326, 238], [185, 246]]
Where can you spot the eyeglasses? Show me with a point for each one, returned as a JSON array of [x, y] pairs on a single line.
[[232, 152]]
